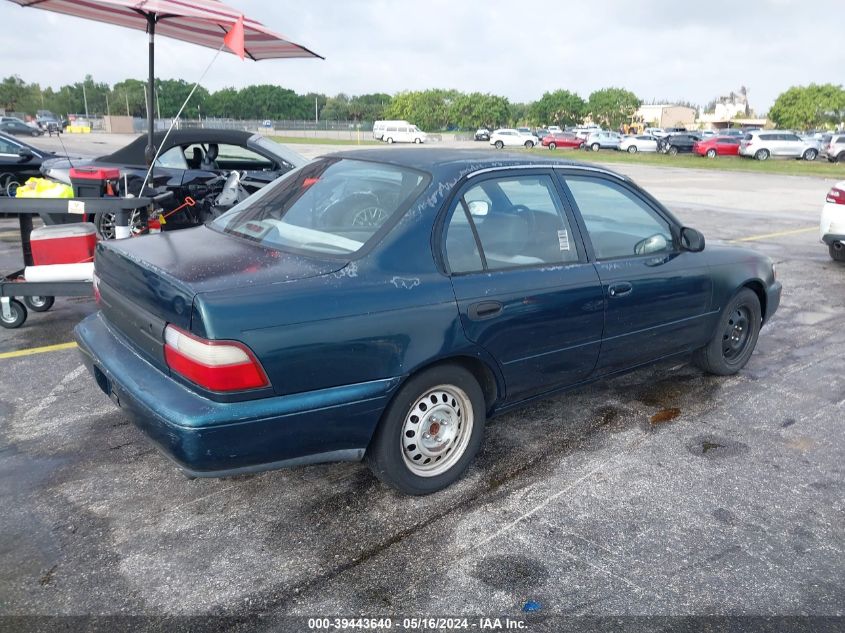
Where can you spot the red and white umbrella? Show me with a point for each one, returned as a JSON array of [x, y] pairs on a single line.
[[203, 22]]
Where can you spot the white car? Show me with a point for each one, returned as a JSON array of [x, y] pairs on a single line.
[[639, 143], [657, 132], [554, 129], [509, 137], [832, 225], [762, 144]]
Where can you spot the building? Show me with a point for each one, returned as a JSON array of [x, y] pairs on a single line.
[[666, 115]]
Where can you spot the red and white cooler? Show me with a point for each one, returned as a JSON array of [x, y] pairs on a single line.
[[63, 244]]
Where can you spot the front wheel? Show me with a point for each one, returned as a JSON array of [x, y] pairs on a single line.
[[632, 149], [389, 141], [810, 154], [417, 141], [39, 304], [552, 145], [735, 337], [35, 133], [498, 145], [595, 147], [711, 153], [837, 251], [672, 151], [528, 144], [430, 432], [16, 316]]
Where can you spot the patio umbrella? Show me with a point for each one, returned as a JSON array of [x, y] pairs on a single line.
[[203, 22]]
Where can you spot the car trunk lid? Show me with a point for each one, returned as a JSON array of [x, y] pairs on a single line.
[[145, 283]]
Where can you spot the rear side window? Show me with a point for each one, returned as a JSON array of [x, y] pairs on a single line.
[[330, 206], [619, 224], [769, 137]]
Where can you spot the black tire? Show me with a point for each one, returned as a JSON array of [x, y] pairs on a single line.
[[762, 154], [595, 147], [552, 145], [840, 158], [390, 140], [386, 454], [39, 304], [711, 153], [810, 154], [498, 145], [735, 337], [672, 151], [632, 149], [17, 317], [529, 144], [837, 254], [35, 133]]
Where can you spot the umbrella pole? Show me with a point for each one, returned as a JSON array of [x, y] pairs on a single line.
[[150, 151]]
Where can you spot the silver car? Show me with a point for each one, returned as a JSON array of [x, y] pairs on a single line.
[[763, 144], [602, 140], [835, 150]]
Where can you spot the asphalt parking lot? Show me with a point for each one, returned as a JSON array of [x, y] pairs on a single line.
[[665, 492]]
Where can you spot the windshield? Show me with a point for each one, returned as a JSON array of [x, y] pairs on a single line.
[[330, 206], [286, 154]]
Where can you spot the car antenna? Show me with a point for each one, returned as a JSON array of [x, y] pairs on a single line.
[[64, 149]]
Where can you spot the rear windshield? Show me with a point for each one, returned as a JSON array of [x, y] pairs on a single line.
[[330, 206]]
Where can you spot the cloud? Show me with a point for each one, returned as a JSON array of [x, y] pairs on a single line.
[[656, 48]]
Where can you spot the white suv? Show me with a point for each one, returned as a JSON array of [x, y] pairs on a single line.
[[763, 144], [508, 137], [835, 150], [832, 225]]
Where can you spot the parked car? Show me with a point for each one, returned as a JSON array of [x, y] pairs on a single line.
[[835, 149], [18, 162], [657, 132], [509, 137], [562, 139], [705, 134], [13, 125], [832, 224], [482, 134], [602, 140], [304, 327], [49, 122], [762, 144], [583, 131], [192, 163], [555, 129], [639, 143], [400, 133], [677, 143], [541, 132], [717, 146]]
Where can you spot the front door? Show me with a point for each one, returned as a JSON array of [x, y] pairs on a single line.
[[657, 295], [525, 290]]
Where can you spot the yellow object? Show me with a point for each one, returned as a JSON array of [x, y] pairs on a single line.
[[78, 129], [37, 350], [44, 188], [161, 219]]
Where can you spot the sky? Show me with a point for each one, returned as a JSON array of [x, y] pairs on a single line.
[[664, 50]]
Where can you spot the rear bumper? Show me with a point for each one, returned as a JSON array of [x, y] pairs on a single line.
[[212, 439]]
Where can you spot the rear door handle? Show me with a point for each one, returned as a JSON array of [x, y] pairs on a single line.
[[484, 310], [620, 289]]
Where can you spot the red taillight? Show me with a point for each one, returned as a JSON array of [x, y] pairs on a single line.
[[214, 365], [97, 297], [837, 196]]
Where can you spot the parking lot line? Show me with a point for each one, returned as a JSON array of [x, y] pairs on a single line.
[[37, 350], [778, 234]]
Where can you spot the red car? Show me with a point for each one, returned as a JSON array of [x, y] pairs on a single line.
[[717, 146], [553, 141]]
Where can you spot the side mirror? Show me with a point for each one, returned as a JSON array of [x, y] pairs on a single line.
[[479, 207], [25, 154], [692, 240], [653, 244]]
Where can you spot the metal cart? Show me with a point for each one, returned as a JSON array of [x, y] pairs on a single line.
[[39, 295]]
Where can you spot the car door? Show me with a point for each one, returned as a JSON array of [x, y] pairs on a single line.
[[524, 288], [10, 161], [657, 295], [726, 146], [793, 146]]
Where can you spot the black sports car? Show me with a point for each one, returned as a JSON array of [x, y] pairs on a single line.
[[18, 161], [12, 125], [677, 143], [191, 163]]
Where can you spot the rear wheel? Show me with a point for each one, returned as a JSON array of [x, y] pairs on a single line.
[[735, 337], [840, 158], [16, 316], [35, 133], [390, 140], [417, 141], [498, 145], [762, 154], [672, 151], [552, 145], [39, 304], [810, 154], [529, 144], [632, 149], [430, 432], [837, 251], [711, 153], [595, 147]]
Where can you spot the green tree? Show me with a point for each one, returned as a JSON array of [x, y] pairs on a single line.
[[427, 109], [471, 111], [560, 107], [805, 107], [171, 94], [18, 96], [128, 94], [611, 107]]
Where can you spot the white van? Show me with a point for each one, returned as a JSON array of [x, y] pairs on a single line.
[[398, 132]]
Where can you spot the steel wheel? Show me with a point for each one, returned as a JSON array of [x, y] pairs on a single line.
[[552, 145], [389, 141], [736, 335], [711, 153], [632, 149], [436, 430], [16, 316], [369, 216], [762, 154], [672, 151], [499, 144], [810, 154], [39, 304]]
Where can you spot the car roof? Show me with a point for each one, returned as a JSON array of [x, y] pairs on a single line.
[[133, 154], [443, 162]]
